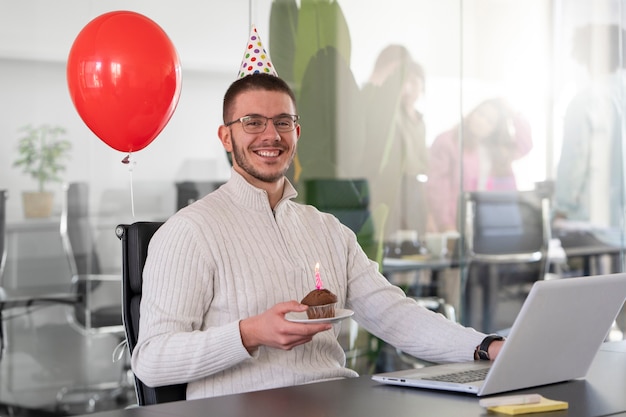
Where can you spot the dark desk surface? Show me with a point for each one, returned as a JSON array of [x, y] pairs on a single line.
[[600, 394]]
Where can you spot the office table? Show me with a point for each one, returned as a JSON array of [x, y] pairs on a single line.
[[394, 265], [583, 244], [435, 265], [602, 393]]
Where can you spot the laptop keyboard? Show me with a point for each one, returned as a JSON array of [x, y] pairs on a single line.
[[462, 377]]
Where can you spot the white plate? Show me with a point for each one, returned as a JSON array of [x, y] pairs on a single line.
[[301, 317]]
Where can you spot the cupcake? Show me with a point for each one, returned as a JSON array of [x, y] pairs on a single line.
[[321, 304]]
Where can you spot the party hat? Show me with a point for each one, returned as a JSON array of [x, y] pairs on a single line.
[[255, 58]]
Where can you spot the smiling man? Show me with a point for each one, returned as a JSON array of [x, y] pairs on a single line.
[[261, 130], [223, 273]]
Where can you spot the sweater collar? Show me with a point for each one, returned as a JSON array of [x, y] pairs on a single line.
[[253, 197]]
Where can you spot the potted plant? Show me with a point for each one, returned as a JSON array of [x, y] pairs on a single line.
[[310, 46], [42, 155]]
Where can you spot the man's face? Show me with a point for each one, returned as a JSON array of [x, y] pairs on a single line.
[[261, 157]]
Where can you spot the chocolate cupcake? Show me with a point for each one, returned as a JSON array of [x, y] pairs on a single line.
[[321, 304]]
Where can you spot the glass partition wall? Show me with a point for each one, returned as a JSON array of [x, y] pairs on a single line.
[[428, 103], [420, 101]]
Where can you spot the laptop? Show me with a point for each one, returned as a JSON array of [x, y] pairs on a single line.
[[555, 337]]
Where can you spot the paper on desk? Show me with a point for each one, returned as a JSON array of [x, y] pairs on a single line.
[[543, 405]]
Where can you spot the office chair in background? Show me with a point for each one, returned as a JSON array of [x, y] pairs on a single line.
[[135, 239], [348, 200], [3, 235], [3, 256], [188, 192], [506, 236], [99, 311]]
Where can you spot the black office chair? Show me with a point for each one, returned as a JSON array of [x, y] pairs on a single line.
[[506, 237], [91, 315], [99, 310], [135, 239]]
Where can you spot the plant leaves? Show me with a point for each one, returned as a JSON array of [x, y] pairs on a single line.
[[42, 152], [283, 27], [321, 23], [330, 112]]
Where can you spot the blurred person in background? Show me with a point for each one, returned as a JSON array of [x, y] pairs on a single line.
[[484, 146], [589, 184], [396, 153]]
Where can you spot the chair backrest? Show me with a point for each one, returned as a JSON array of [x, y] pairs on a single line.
[[506, 226], [189, 191], [76, 232], [506, 240], [3, 252], [99, 309], [348, 200], [344, 196], [135, 239]]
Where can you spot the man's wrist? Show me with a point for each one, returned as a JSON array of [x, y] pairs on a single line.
[[482, 351], [246, 336]]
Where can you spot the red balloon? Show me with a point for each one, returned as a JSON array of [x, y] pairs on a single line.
[[124, 78]]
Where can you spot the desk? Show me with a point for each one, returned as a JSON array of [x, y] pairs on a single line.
[[429, 295], [600, 394], [393, 266], [583, 244]]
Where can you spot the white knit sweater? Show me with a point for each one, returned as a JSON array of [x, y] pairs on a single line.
[[229, 256]]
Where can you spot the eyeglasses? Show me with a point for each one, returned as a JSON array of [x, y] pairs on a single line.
[[257, 124]]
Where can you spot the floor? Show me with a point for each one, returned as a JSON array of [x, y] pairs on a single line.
[[45, 359]]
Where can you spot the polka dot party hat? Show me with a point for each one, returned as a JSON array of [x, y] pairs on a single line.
[[255, 58]]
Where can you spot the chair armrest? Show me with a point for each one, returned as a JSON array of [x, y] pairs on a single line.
[[97, 293]]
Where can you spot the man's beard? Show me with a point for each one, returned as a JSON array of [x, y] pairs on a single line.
[[242, 161]]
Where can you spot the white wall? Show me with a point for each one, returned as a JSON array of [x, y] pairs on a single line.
[[35, 39], [208, 35], [504, 45], [36, 93]]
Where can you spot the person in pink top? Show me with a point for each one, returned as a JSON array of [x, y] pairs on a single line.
[[491, 137]]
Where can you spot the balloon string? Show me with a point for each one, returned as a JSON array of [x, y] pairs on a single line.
[[131, 164], [132, 195]]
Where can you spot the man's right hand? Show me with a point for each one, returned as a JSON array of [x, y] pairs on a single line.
[[270, 328]]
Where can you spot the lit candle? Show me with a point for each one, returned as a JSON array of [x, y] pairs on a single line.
[[318, 279]]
